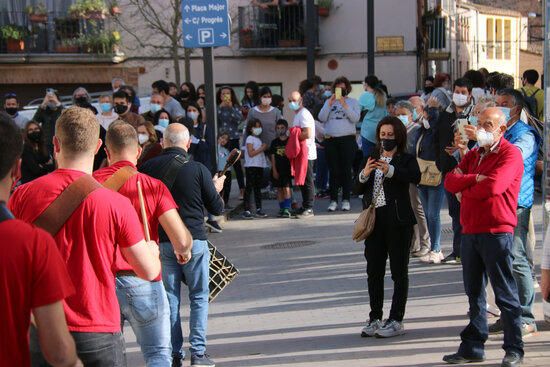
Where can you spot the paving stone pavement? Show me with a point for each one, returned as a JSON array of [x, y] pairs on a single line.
[[305, 306]]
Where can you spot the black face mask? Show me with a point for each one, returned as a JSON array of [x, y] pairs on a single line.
[[388, 144], [120, 109], [11, 110], [428, 90], [185, 94], [81, 100], [35, 136]]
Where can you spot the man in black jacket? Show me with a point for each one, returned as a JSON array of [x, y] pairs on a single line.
[[460, 108], [193, 189]]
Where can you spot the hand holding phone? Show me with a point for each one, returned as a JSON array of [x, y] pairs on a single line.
[[338, 93], [460, 127]]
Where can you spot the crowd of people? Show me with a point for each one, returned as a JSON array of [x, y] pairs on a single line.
[[114, 205]]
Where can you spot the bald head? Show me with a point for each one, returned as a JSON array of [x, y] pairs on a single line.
[[295, 96], [493, 114], [176, 135], [493, 121]]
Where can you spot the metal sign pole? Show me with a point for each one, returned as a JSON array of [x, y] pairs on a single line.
[[211, 113], [546, 88]]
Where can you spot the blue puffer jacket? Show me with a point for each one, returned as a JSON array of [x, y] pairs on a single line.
[[527, 189]]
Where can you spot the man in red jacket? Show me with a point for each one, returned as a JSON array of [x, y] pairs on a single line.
[[487, 181]]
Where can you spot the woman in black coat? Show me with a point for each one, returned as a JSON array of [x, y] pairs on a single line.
[[385, 179], [35, 159]]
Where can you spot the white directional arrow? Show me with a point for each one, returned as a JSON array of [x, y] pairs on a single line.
[[188, 37], [223, 35], [187, 8], [187, 20]]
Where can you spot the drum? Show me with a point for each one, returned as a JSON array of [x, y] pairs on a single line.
[[222, 272]]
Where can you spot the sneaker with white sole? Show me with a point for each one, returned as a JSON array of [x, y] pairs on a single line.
[[346, 207], [332, 206], [432, 257], [390, 329], [371, 328]]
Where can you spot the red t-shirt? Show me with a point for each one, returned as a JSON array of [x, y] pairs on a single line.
[[87, 245], [32, 274], [157, 198]]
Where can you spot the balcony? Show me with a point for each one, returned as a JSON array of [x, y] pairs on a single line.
[[274, 31], [438, 47], [58, 37]]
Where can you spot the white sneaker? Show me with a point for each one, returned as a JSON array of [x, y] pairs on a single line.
[[332, 206], [346, 207], [371, 328], [432, 257], [389, 329]]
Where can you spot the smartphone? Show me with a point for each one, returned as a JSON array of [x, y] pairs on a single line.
[[227, 98], [50, 91], [337, 93], [460, 124]]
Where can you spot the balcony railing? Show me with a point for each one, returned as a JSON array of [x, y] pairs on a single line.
[[57, 33], [274, 28], [437, 34]]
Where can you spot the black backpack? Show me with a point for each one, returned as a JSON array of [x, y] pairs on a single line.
[[531, 102]]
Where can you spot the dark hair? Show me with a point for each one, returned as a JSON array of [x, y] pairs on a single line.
[[440, 78], [192, 90], [121, 94], [11, 144], [203, 87], [41, 144], [531, 75], [372, 81], [516, 96], [463, 83], [251, 124], [304, 86], [161, 86], [195, 105], [156, 117], [255, 92], [506, 81], [399, 131], [129, 90], [391, 101], [485, 72], [264, 91], [234, 99], [476, 77], [276, 100], [341, 80], [429, 78], [282, 122]]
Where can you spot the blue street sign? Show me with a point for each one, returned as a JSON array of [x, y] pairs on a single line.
[[205, 23]]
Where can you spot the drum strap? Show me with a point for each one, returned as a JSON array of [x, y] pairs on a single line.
[[119, 178], [171, 170], [61, 209]]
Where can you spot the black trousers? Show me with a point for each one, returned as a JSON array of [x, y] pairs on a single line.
[[254, 178], [454, 213], [234, 144], [227, 187], [340, 153], [308, 188], [395, 242]]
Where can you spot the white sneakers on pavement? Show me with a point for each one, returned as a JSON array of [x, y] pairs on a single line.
[[433, 257], [346, 207], [371, 328], [332, 206]]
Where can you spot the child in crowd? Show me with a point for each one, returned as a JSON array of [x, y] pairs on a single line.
[[223, 154], [254, 163], [280, 169]]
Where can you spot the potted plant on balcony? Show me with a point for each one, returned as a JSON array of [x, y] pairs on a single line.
[[324, 7], [14, 37], [37, 13], [88, 9], [247, 39], [68, 46], [115, 8]]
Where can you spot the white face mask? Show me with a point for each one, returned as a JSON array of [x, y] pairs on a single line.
[[425, 123], [257, 131], [460, 99], [143, 138], [266, 101], [484, 138]]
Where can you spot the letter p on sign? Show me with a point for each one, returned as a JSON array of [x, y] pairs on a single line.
[[206, 36]]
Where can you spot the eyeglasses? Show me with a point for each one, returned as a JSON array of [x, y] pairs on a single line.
[[10, 95]]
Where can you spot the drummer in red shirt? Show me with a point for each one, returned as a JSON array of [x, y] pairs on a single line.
[[87, 239], [144, 304], [33, 277]]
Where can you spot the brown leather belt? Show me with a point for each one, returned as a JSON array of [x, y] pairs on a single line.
[[126, 273]]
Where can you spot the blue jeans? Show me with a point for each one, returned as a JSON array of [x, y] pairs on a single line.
[[522, 268], [367, 147], [196, 275], [145, 306], [482, 255], [454, 213], [432, 200]]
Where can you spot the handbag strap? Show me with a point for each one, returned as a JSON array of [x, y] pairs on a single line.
[[119, 178], [171, 170], [61, 209]]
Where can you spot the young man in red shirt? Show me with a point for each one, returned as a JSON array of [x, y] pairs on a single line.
[[87, 240], [487, 181], [33, 277], [144, 304]]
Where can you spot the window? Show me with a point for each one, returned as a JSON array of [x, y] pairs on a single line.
[[498, 39], [490, 38], [507, 39]]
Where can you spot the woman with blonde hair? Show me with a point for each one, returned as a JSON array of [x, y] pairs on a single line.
[[373, 101]]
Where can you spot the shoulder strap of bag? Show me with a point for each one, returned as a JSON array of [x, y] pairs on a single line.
[[61, 209], [119, 178], [5, 214], [418, 143], [172, 169]]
